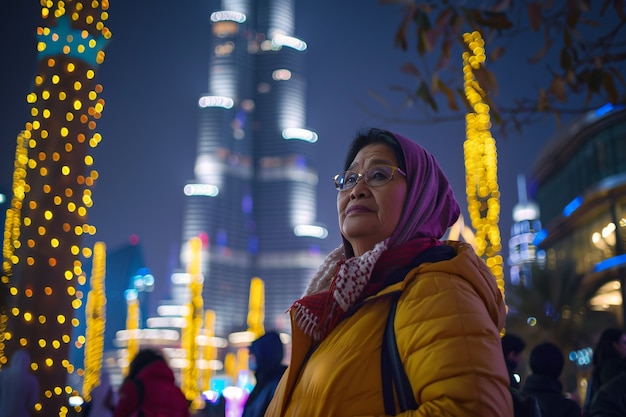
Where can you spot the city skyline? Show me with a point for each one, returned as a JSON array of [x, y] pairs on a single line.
[[152, 78]]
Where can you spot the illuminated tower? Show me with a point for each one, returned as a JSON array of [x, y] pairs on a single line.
[[45, 267], [522, 250], [253, 198]]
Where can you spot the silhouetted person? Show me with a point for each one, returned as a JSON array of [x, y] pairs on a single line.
[[150, 387], [610, 399], [546, 363], [103, 398], [266, 356], [19, 389], [608, 361], [512, 347]]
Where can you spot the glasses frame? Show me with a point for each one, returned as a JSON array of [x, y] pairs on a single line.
[[362, 176]]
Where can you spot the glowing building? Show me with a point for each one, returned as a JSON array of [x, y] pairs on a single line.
[[522, 250], [253, 199], [579, 182]]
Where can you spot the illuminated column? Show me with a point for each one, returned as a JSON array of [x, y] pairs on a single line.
[[189, 375], [483, 196], [65, 107], [96, 320], [210, 352], [256, 308], [12, 235], [132, 325]]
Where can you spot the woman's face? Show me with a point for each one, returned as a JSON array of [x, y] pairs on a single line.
[[368, 215]]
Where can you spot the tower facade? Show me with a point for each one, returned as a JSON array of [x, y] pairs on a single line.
[[522, 249], [253, 199]]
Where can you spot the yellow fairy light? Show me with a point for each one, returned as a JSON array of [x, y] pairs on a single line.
[[483, 196], [189, 374]]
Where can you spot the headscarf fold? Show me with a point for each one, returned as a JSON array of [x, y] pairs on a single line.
[[343, 279]]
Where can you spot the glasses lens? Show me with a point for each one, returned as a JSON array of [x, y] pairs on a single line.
[[378, 176], [339, 180]]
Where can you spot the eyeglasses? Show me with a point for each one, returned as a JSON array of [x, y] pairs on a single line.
[[374, 177]]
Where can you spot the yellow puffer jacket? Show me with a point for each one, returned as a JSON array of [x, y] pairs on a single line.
[[447, 327]]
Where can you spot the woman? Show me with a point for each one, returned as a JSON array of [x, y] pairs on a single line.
[[608, 362], [150, 387], [394, 204]]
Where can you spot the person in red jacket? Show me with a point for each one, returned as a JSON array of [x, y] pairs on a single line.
[[150, 387]]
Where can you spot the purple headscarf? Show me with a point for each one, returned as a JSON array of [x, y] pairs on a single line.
[[430, 207]]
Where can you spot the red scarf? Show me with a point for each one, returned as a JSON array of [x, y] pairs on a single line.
[[354, 279]]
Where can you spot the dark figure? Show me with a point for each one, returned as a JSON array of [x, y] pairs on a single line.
[[608, 362], [512, 347], [103, 398], [610, 399], [546, 363], [149, 373], [19, 389], [266, 356]]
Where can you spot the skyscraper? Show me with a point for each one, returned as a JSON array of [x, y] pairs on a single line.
[[253, 198]]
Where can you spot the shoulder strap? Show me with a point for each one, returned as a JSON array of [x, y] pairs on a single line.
[[392, 369], [140, 394]]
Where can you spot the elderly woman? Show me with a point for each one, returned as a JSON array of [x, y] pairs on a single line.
[[394, 205]]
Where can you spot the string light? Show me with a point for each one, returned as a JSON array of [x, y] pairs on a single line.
[[48, 200], [193, 317], [95, 312], [483, 195]]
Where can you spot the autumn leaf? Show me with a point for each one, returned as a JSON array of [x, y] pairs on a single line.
[[497, 53], [486, 79], [595, 80], [423, 93], [565, 60], [572, 15], [543, 51], [379, 98], [421, 20], [567, 39], [493, 20], [445, 17], [617, 74], [461, 93], [609, 87], [400, 36], [558, 89], [444, 58], [449, 94], [534, 15], [410, 69]]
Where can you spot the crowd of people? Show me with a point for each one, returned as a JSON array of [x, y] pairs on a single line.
[[393, 306]]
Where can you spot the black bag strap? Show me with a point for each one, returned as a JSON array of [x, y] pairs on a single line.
[[140, 394], [392, 369]]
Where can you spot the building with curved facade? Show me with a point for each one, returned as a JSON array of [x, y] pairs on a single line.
[[579, 183], [253, 199]]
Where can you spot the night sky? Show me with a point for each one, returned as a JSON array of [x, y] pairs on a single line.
[[155, 70]]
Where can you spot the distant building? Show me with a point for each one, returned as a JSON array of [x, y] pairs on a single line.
[[253, 198], [522, 249], [579, 182]]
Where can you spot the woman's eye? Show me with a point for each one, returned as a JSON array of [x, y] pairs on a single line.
[[378, 174]]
